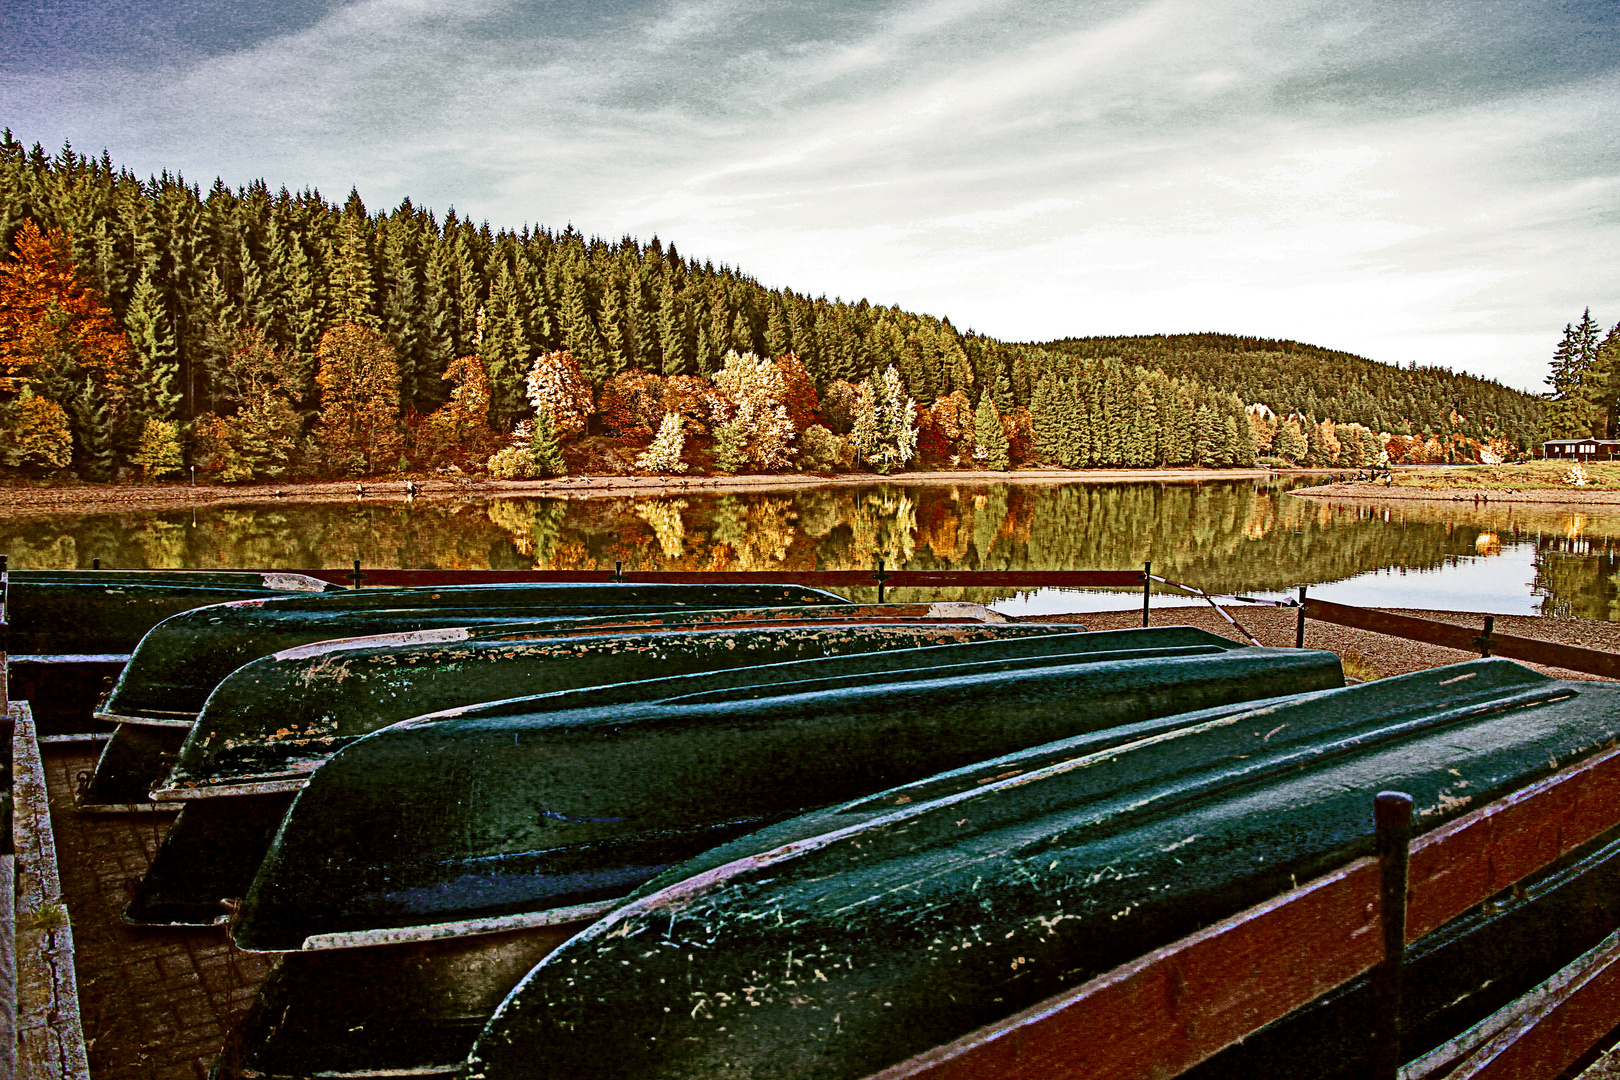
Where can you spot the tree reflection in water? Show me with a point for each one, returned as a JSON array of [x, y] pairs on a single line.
[[1230, 536]]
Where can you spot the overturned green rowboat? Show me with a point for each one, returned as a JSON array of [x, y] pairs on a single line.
[[272, 722], [180, 661], [300, 704], [841, 944], [544, 808]]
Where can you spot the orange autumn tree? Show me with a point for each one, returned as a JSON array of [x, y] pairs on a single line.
[[359, 380], [65, 366], [459, 429]]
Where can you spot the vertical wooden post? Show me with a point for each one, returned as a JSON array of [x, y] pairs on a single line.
[[1147, 589], [880, 577], [357, 577], [1392, 815], [1299, 621], [1484, 640], [95, 564], [618, 569], [5, 637]]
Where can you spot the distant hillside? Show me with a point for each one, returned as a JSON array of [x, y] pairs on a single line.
[[1292, 377]]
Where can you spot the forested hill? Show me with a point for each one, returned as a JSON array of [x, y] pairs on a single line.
[[1292, 377], [139, 314]]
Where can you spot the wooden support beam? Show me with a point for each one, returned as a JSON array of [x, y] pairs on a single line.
[[1466, 639], [1161, 1014]]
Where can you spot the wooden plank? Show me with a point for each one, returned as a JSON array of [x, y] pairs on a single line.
[[1163, 1013], [1481, 853], [1452, 636], [50, 1038], [1547, 1030]]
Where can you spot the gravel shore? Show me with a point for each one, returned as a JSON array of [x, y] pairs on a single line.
[[1366, 655]]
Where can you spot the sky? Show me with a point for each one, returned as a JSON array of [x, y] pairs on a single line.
[[1436, 182]]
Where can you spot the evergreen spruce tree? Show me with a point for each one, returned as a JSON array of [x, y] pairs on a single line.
[[504, 348], [354, 293], [672, 329], [93, 430], [778, 334], [730, 451], [989, 436], [153, 396], [543, 446]]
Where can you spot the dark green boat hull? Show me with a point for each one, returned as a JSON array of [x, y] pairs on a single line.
[[302, 703], [180, 661], [274, 720], [842, 943], [107, 612], [528, 806], [321, 699], [402, 1010]]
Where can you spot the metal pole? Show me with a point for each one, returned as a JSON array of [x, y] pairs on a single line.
[[881, 578], [1484, 640], [1147, 589], [357, 577], [95, 564], [1299, 621], [1392, 815], [618, 570]]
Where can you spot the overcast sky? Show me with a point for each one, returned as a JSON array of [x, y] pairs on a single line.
[[1408, 180]]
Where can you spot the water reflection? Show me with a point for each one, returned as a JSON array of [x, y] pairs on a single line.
[[1228, 537]]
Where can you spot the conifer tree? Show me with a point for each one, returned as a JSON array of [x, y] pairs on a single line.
[[989, 436], [153, 395], [354, 294], [664, 455], [671, 330], [93, 430], [543, 446], [504, 348]]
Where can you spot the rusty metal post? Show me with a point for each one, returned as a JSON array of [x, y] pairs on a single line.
[[880, 577], [1392, 815], [1299, 621], [357, 577], [1484, 640], [1147, 589]]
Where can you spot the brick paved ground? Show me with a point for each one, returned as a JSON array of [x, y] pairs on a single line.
[[157, 1004]]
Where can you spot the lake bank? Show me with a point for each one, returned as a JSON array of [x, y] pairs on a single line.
[[1379, 494], [24, 500]]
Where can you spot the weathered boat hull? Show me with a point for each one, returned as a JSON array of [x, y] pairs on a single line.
[[842, 943], [268, 710], [408, 1010], [72, 631], [274, 720], [180, 661], [532, 807], [183, 884], [106, 612]]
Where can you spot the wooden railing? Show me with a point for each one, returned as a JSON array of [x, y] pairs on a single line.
[[1161, 1014]]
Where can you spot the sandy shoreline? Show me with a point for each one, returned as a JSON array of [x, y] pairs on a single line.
[[18, 500]]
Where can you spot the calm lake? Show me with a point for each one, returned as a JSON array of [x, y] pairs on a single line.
[[1231, 536]]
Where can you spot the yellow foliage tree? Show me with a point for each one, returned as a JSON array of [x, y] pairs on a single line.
[[359, 381]]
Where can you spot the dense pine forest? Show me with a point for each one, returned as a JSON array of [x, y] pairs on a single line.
[[257, 334]]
